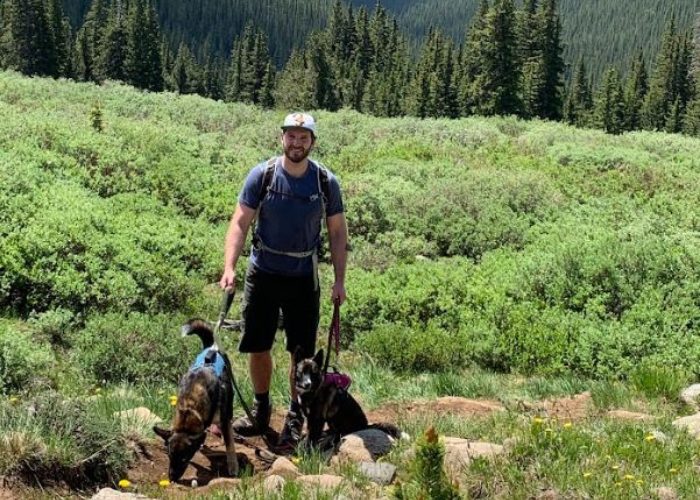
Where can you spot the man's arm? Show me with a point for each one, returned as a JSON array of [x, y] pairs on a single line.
[[235, 238], [338, 235]]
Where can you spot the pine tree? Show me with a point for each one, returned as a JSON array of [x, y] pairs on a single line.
[[318, 63], [296, 85], [28, 38], [579, 101], [361, 61], [233, 83], [498, 81], [635, 92], [61, 39], [551, 92], [695, 64], [661, 96], [112, 57], [212, 78], [267, 97], [691, 123], [471, 64], [89, 42], [143, 61], [184, 73], [610, 103]]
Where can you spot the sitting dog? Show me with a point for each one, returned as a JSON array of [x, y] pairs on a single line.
[[324, 399], [204, 396]]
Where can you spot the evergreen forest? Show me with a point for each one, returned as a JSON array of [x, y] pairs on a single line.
[[511, 62]]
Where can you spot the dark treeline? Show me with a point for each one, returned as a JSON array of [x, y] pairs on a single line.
[[510, 63], [605, 32]]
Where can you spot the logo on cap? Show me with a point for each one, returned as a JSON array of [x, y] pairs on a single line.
[[299, 119]]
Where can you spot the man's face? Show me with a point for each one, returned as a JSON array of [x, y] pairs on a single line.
[[297, 143]]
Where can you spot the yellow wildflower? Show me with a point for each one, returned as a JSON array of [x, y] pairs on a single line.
[[14, 400], [628, 477], [650, 438], [124, 483], [568, 425], [587, 474], [164, 483], [173, 400], [673, 470], [296, 460], [538, 420], [615, 467]]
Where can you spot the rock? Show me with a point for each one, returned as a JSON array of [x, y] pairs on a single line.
[[459, 453], [659, 436], [224, 482], [274, 484], [283, 467], [364, 446], [381, 473], [628, 415], [691, 423], [323, 481], [140, 415], [690, 395], [219, 484], [110, 494], [664, 493]]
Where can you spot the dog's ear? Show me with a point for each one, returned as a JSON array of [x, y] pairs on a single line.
[[298, 354], [318, 359], [164, 433]]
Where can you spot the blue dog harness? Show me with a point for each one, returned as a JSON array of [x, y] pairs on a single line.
[[211, 358]]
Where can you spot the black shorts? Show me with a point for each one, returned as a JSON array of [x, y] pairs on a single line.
[[264, 296]]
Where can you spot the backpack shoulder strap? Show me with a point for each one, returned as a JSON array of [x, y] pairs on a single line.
[[268, 174], [324, 184]]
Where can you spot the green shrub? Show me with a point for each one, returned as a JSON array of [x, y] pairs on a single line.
[[24, 362], [413, 348], [134, 348]]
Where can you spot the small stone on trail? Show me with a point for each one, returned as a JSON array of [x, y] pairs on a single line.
[[378, 472]]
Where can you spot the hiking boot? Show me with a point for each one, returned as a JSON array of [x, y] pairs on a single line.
[[261, 416], [291, 431]]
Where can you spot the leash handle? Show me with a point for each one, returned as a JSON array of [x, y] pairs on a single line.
[[226, 301], [333, 334]]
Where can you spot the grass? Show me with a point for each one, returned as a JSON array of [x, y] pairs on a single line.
[[593, 457]]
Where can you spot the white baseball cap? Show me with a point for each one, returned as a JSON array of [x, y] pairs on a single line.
[[300, 120]]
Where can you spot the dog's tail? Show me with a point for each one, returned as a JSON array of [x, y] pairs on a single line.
[[202, 329], [390, 429]]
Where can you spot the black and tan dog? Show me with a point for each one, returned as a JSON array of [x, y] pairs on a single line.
[[204, 396], [324, 399]]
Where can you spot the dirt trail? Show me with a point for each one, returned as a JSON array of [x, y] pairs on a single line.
[[208, 466]]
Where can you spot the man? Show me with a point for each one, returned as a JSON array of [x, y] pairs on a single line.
[[288, 196]]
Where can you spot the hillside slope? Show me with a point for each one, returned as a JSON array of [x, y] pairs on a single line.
[[604, 31]]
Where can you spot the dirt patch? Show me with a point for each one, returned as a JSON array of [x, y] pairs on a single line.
[[6, 494], [576, 407], [459, 407]]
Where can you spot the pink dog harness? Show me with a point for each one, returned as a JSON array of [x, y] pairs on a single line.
[[340, 380]]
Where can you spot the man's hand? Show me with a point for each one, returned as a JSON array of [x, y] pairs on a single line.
[[338, 292], [228, 280]]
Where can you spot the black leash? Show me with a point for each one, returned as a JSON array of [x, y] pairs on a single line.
[[226, 302], [333, 334]]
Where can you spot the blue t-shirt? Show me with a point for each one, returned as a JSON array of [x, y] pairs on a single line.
[[290, 216]]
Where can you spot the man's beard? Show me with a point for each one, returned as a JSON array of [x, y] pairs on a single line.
[[297, 155]]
